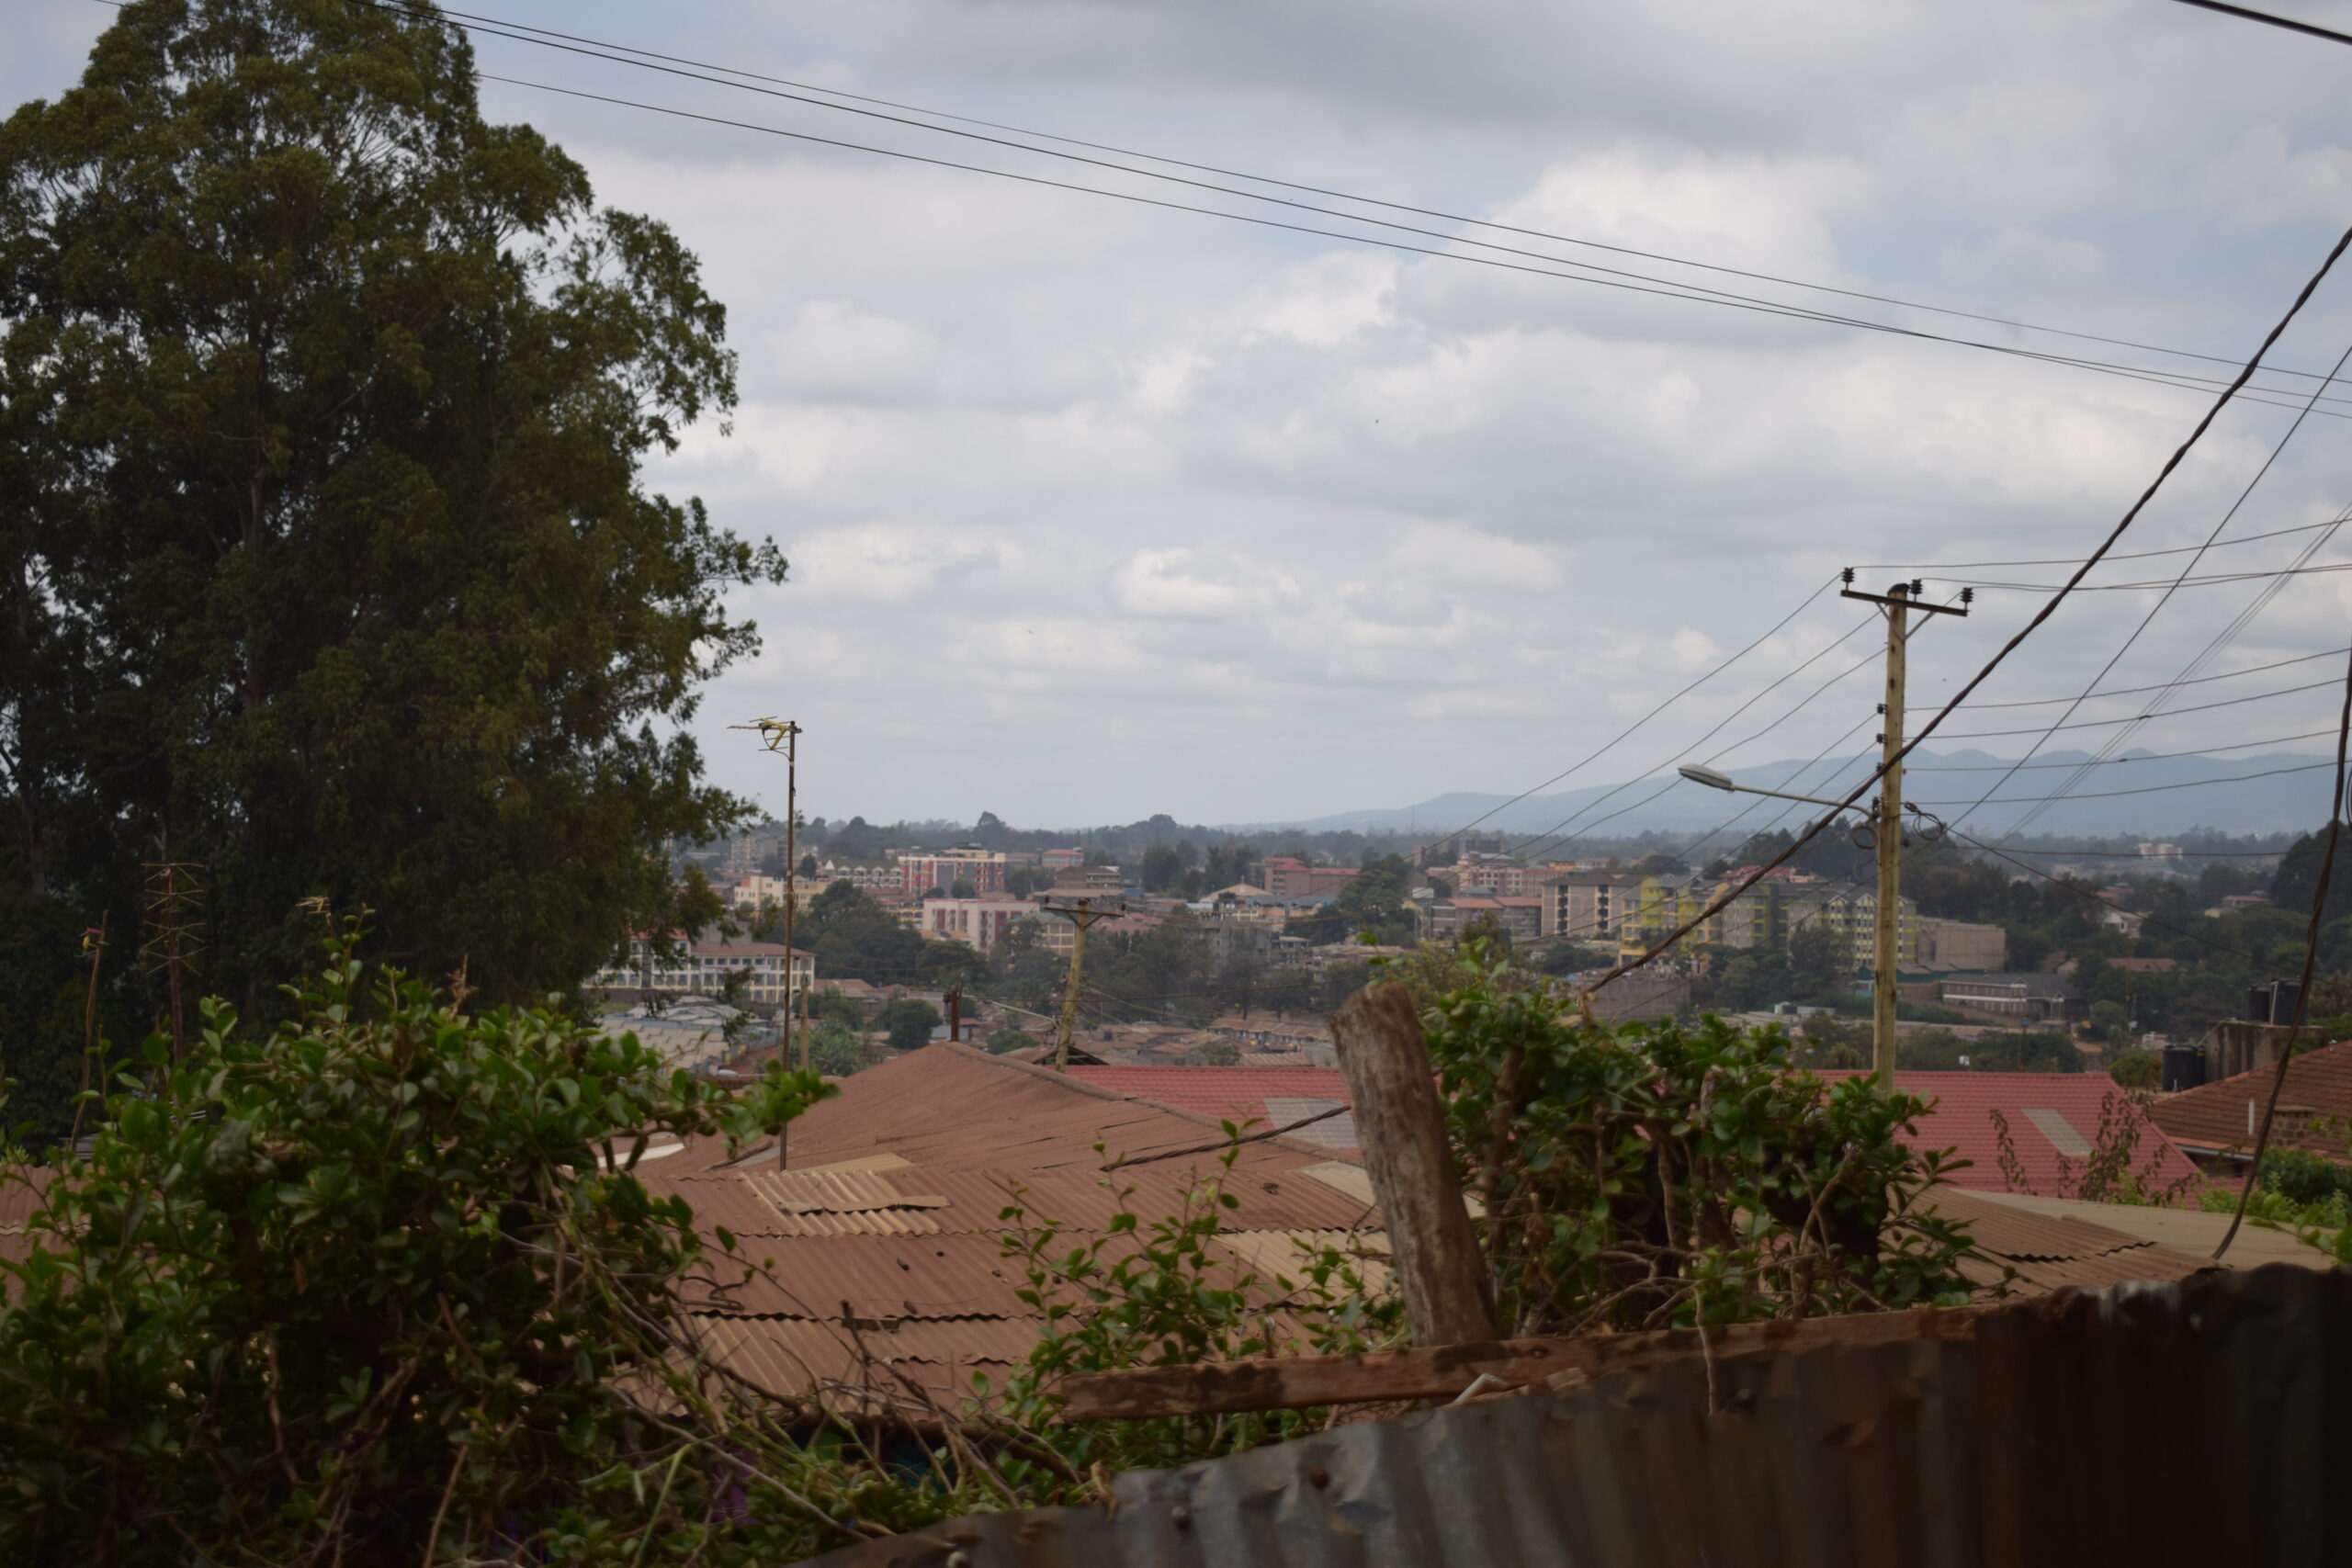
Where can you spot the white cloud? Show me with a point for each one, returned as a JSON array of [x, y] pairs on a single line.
[[1098, 509]]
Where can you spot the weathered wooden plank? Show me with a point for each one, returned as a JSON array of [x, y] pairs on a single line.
[[1445, 1370], [1439, 1270]]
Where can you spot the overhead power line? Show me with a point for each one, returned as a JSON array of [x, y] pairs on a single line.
[[1592, 275], [2165, 685], [2039, 618], [2269, 20], [2114, 762], [1928, 566], [2144, 789], [2168, 584], [2139, 718], [844, 102]]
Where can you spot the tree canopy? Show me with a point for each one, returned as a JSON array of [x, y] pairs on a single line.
[[325, 559]]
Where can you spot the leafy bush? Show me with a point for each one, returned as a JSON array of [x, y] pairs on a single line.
[[1152, 1293], [377, 1284], [1655, 1175], [2136, 1070], [2302, 1177]]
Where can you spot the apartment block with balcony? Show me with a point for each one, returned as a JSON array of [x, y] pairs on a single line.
[[1586, 905]]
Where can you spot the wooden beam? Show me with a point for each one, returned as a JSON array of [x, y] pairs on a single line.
[[1439, 1269], [1443, 1372]]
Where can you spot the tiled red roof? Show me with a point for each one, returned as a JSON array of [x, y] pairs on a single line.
[[1960, 1117], [2318, 1092]]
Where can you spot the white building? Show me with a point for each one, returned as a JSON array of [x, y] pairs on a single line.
[[703, 967]]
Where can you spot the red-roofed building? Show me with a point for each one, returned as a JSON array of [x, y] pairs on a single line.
[[2217, 1123], [2052, 1117], [1272, 1097]]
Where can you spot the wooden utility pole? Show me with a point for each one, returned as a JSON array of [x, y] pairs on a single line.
[[956, 1015], [783, 735], [1081, 917], [1393, 1092], [1897, 603]]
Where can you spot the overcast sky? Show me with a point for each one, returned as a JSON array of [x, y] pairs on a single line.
[[1097, 510]]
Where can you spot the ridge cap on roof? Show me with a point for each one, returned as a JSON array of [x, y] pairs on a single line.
[[1280, 1141]]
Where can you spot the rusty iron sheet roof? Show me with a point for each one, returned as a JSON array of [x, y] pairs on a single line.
[[2188, 1230], [952, 1108], [791, 1356], [2041, 1441], [879, 1275]]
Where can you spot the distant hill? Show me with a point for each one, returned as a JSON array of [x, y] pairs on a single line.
[[2171, 795]]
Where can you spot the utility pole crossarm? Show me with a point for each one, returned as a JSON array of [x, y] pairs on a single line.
[[1909, 604]]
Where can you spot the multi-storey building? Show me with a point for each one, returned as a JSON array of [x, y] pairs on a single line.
[[1496, 875], [920, 870], [1851, 915], [865, 878], [976, 922], [1289, 877], [702, 969], [1586, 905], [1053, 860], [1445, 919], [1090, 879]]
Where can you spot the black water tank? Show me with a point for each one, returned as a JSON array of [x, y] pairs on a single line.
[[2183, 1067], [2272, 1003]]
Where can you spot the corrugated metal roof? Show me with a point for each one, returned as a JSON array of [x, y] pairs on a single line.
[[921, 1107], [789, 1356], [2161, 1426], [878, 1276], [2188, 1230]]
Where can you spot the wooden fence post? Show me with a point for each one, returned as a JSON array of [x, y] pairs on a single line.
[[1385, 1062]]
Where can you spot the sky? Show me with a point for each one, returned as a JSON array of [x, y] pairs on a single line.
[[1097, 509]]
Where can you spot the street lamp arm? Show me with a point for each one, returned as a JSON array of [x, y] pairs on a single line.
[[1714, 780]]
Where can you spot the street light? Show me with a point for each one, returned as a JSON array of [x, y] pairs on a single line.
[[1884, 977], [1714, 780]]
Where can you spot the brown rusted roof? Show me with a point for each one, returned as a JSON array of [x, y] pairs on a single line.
[[926, 1106], [2049, 1251], [2318, 1090]]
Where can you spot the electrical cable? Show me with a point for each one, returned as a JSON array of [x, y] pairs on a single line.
[[593, 48], [1558, 829], [2213, 649], [2276, 450], [2094, 896], [1658, 288], [2112, 761], [2165, 685], [2269, 20], [2144, 789], [2140, 718], [1614, 741], [2210, 580], [1925, 566], [2040, 617]]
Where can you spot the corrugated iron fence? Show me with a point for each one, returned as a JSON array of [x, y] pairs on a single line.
[[2206, 1423]]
